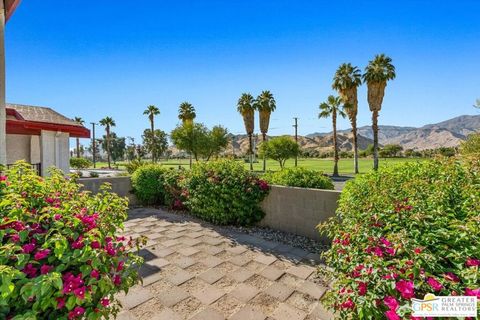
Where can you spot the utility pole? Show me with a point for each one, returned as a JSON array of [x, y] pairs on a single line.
[[94, 146], [296, 137]]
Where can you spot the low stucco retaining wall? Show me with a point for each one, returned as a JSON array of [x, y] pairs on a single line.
[[120, 185], [295, 210], [299, 210]]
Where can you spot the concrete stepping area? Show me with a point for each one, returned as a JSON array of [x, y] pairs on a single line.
[[197, 271]]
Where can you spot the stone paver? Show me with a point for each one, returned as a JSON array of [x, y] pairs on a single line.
[[197, 271]]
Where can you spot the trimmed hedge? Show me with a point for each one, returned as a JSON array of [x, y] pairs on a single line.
[[403, 232], [147, 183], [299, 177], [224, 192]]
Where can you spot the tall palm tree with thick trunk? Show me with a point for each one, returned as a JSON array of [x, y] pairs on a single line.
[[186, 112], [265, 104], [151, 112], [333, 107], [81, 122], [108, 123], [246, 107], [379, 71], [346, 81]]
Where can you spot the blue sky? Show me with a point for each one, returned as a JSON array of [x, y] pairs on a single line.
[[117, 57]]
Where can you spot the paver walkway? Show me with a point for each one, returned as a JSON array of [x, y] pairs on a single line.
[[197, 271]]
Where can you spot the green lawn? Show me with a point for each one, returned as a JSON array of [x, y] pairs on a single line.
[[345, 166]]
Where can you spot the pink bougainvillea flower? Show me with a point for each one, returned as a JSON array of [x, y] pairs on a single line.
[[60, 302], [392, 315], [49, 200], [45, 269], [15, 237], [105, 302], [110, 249], [78, 244], [451, 277], [385, 242], [79, 292], [95, 274], [434, 284], [117, 280], [120, 266], [473, 292], [418, 250], [95, 245], [406, 289], [390, 302], [30, 270], [57, 217], [70, 282], [42, 254], [472, 262], [75, 313], [362, 288], [349, 304], [28, 248], [3, 178], [390, 251]]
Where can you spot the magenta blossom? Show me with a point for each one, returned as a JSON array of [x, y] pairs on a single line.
[[392, 315], [437, 286], [30, 271], [95, 274], [45, 269], [349, 304], [117, 280], [472, 262], [95, 245], [390, 302], [362, 288], [60, 302], [28, 248], [78, 244], [75, 313], [473, 292], [406, 289], [105, 302], [42, 254], [79, 293], [57, 217], [451, 277]]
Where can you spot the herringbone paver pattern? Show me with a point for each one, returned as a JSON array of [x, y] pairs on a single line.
[[197, 271]]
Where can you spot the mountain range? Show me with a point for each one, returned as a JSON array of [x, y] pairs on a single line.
[[447, 133]]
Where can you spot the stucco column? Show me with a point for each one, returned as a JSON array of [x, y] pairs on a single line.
[[3, 117]]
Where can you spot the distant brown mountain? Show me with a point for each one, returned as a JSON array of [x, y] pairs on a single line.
[[447, 133]]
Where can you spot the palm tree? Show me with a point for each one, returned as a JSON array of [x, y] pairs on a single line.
[[186, 112], [108, 123], [151, 112], [265, 104], [80, 122], [246, 107], [331, 108], [377, 73], [346, 81], [477, 104]]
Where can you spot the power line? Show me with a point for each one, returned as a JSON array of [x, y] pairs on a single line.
[[296, 136]]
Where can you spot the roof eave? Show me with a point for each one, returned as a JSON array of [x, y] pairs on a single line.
[[10, 6]]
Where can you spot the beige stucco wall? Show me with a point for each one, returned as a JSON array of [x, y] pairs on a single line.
[[120, 185], [299, 210], [55, 150], [18, 148]]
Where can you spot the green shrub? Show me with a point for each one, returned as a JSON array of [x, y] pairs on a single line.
[[299, 177], [133, 165], [403, 232], [80, 163], [59, 254], [93, 174], [224, 192], [147, 183]]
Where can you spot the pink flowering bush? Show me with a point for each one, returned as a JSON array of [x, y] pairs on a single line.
[[403, 232], [59, 256], [224, 192]]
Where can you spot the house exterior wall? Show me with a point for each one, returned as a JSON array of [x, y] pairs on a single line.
[[55, 150], [18, 148]]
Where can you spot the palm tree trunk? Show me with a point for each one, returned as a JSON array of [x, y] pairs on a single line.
[[264, 134], [375, 139], [153, 138], [355, 146], [108, 148], [78, 148], [250, 150], [335, 145]]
